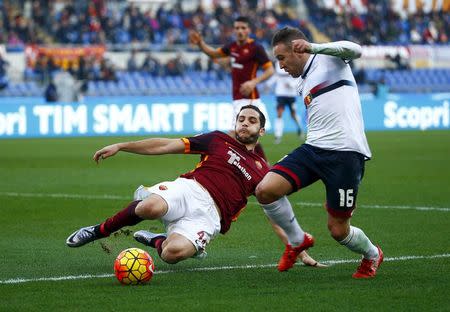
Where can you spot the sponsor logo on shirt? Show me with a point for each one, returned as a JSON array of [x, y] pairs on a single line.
[[308, 99], [234, 160]]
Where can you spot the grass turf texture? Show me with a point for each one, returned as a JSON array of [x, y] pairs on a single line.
[[408, 169]]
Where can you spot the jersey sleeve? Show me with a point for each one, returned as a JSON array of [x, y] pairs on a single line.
[[261, 57], [345, 50], [198, 144], [225, 49]]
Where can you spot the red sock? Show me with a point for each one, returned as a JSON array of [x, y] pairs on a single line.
[[260, 152], [158, 244], [125, 217]]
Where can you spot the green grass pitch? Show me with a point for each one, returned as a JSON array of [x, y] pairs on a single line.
[[51, 187]]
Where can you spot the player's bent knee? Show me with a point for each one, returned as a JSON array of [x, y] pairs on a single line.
[[262, 194], [265, 194], [170, 258], [177, 248], [151, 208], [174, 255], [338, 231]]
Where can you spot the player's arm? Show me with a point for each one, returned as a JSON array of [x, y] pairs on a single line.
[[344, 49], [153, 146], [196, 38], [248, 86]]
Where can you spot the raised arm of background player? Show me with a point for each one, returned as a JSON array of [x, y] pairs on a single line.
[[248, 86]]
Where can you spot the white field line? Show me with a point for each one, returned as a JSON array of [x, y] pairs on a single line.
[[203, 269], [118, 197]]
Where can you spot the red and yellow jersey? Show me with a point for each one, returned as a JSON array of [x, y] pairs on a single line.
[[245, 61], [227, 170]]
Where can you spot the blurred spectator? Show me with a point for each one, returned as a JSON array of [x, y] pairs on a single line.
[[381, 89], [360, 75], [93, 68], [176, 66], [3, 76], [107, 71], [197, 64], [151, 65], [82, 77], [397, 62], [219, 67], [92, 22], [88, 22], [40, 68], [66, 87], [51, 94], [378, 23], [132, 63]]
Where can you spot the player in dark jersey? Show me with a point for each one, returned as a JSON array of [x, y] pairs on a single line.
[[246, 57], [199, 204]]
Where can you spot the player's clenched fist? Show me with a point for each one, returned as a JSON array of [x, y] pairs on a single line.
[[301, 46], [195, 37]]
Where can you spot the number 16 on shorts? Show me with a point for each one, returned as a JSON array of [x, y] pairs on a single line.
[[346, 198]]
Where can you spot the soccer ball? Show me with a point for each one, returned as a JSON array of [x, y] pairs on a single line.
[[134, 266]]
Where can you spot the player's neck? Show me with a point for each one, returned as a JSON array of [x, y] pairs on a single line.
[[241, 42], [250, 146]]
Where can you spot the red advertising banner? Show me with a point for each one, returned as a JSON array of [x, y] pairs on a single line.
[[64, 57]]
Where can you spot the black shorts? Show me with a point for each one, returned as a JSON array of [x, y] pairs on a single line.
[[283, 101], [340, 171]]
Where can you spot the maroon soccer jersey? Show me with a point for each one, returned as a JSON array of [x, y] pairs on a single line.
[[227, 170], [245, 60]]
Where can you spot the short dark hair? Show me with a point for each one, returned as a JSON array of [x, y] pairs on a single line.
[[243, 19], [262, 118], [286, 35]]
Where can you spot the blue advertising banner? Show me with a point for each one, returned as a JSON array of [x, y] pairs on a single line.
[[99, 116]]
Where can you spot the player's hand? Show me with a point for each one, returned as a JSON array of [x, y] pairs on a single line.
[[301, 46], [106, 152], [195, 37], [247, 87], [309, 261]]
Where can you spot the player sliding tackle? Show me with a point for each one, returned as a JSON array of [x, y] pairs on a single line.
[[202, 203]]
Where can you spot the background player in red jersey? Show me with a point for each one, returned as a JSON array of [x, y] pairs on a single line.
[[200, 204], [246, 56]]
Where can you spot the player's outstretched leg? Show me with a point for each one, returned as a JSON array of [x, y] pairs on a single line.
[[368, 267], [290, 254], [84, 235], [125, 217]]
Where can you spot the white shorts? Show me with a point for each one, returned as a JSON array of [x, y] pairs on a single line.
[[237, 105], [191, 210]]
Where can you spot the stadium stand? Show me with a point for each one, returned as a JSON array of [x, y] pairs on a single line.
[[120, 25]]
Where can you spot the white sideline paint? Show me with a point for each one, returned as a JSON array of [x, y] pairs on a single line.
[[237, 267], [118, 197]]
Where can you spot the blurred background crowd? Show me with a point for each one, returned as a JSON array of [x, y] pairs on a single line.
[[145, 29], [161, 26]]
